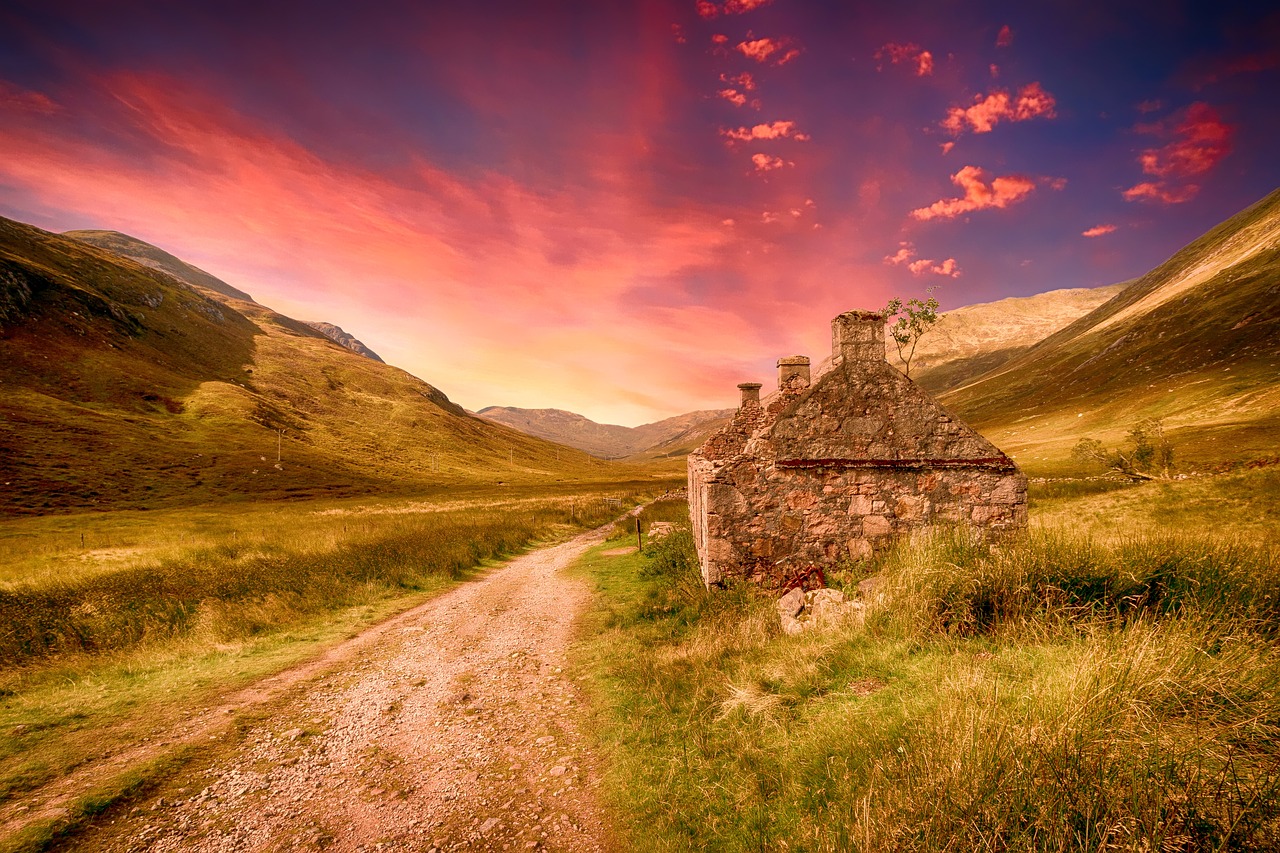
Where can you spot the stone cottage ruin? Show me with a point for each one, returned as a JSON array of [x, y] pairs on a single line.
[[840, 467]]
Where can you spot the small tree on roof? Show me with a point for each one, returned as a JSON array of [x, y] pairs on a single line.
[[914, 320]]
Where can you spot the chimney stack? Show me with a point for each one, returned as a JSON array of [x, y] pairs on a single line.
[[750, 394], [793, 373], [857, 336]]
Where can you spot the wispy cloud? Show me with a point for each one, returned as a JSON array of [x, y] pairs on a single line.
[[772, 130], [1005, 37], [767, 50], [765, 163], [1031, 101], [906, 257], [1098, 230], [911, 54], [1000, 192], [1198, 140], [733, 96], [17, 99], [709, 10]]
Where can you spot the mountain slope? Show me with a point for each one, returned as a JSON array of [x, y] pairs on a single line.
[[967, 342], [122, 387], [1196, 341], [343, 339], [156, 258], [607, 441]]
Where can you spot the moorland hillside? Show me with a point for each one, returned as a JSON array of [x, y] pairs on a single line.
[[125, 387]]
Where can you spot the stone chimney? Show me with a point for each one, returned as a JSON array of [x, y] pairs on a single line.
[[750, 394], [793, 373], [857, 336]]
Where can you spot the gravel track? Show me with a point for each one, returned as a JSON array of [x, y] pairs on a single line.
[[451, 726]]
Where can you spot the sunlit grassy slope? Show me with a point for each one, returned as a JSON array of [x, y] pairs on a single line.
[[1196, 342], [123, 388]]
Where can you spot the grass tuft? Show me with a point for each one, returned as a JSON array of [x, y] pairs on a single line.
[[1054, 693]]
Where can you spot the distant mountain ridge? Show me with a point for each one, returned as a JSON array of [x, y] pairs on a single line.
[[964, 343], [156, 258], [125, 387], [606, 441]]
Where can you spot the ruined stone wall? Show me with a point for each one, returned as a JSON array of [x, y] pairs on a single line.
[[768, 525], [840, 469]]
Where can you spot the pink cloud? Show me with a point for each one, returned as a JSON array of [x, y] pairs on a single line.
[[906, 256], [677, 32], [707, 9], [1098, 230], [765, 163], [946, 268], [738, 7], [946, 147], [743, 81], [1030, 102], [733, 96], [313, 236], [1200, 139], [906, 53], [978, 194], [15, 98], [773, 130], [1161, 192], [1005, 37], [1232, 66], [778, 52]]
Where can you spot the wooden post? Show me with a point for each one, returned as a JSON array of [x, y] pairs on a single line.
[[639, 543]]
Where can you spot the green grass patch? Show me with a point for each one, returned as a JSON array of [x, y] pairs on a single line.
[[1057, 693], [116, 652]]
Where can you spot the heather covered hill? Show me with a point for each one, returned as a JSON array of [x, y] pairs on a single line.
[[123, 387], [1196, 342]]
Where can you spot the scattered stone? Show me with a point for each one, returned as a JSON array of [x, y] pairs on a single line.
[[791, 604]]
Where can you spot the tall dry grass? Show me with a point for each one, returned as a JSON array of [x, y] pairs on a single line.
[[1054, 693]]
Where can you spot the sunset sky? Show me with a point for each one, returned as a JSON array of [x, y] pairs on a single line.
[[624, 209]]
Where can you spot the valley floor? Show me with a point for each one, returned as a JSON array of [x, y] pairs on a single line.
[[450, 726]]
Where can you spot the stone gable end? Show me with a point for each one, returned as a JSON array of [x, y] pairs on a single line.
[[839, 469]]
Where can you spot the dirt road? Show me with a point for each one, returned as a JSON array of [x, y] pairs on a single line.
[[449, 727]]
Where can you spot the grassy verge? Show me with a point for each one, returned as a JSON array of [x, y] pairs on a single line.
[[1060, 693], [117, 653]]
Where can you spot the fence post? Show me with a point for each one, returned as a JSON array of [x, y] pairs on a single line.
[[639, 544]]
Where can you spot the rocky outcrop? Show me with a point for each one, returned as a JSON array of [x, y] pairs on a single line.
[[343, 339]]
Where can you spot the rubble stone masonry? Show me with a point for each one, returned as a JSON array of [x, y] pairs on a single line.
[[840, 468]]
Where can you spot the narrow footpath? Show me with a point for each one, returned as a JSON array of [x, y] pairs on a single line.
[[449, 727]]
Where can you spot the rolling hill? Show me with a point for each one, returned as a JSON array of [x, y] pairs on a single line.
[[124, 387], [1195, 342], [607, 441], [964, 343]]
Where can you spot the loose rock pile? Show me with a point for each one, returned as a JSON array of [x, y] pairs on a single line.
[[820, 608]]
